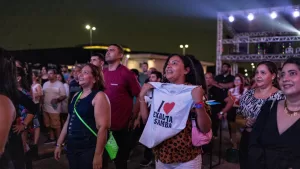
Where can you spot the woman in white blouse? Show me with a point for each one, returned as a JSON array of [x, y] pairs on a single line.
[[37, 93], [64, 112], [235, 94]]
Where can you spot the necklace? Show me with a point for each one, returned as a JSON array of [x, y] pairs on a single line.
[[288, 111]]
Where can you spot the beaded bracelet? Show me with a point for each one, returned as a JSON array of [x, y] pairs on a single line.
[[59, 145]]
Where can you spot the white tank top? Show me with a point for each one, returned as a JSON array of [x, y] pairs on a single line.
[[235, 95], [34, 92]]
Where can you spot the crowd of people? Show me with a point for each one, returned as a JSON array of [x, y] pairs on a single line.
[[81, 108]]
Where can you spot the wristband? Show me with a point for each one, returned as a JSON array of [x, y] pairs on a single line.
[[58, 145], [199, 105]]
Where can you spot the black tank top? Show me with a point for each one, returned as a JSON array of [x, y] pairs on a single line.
[[43, 81], [79, 136]]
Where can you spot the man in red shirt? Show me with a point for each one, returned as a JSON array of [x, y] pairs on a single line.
[[121, 86]]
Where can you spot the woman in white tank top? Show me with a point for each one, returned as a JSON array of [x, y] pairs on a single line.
[[64, 110], [235, 93], [37, 93]]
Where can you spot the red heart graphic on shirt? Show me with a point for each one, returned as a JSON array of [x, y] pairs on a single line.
[[168, 107]]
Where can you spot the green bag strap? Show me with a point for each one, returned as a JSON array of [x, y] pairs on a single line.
[[86, 125], [112, 151]]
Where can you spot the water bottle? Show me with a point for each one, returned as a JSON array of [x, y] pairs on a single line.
[[54, 106]]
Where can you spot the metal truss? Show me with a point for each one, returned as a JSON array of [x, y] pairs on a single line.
[[259, 10], [251, 37], [258, 58], [262, 39], [260, 34], [219, 44], [235, 69], [230, 29]]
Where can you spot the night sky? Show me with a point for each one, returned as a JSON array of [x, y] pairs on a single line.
[[143, 25]]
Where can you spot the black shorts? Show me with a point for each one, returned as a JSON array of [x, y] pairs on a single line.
[[231, 114]]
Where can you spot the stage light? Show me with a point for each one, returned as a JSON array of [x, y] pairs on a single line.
[[246, 70], [231, 18], [273, 15], [296, 13], [250, 16]]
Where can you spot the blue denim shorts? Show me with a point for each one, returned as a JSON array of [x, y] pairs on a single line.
[[36, 122]]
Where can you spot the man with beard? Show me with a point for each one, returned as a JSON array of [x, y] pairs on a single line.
[[215, 93], [224, 80], [54, 94], [121, 86], [155, 76], [65, 73], [144, 75]]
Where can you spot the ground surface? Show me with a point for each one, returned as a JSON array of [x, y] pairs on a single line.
[[47, 161]]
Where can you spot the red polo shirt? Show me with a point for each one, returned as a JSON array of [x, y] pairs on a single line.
[[121, 86]]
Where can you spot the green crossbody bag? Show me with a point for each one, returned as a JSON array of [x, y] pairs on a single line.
[[111, 145]]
